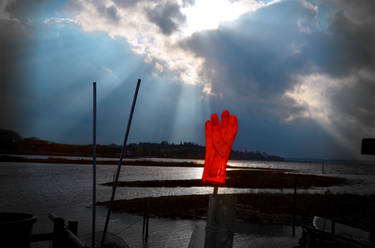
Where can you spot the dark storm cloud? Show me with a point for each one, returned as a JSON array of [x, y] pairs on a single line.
[[251, 63], [110, 13], [259, 52], [357, 102], [167, 16], [6, 60], [127, 3], [353, 26], [359, 11], [256, 57], [22, 9], [14, 46], [349, 55], [351, 42]]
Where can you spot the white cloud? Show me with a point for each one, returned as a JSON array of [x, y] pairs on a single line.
[[209, 14], [317, 96], [303, 26], [148, 59], [106, 69], [309, 5], [60, 20], [312, 92], [207, 89], [295, 48], [159, 67], [306, 25], [146, 38]]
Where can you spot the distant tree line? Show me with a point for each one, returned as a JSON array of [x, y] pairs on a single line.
[[190, 150], [12, 143]]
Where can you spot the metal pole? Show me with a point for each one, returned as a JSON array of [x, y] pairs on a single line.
[[294, 208], [333, 217], [123, 153], [147, 221], [94, 169]]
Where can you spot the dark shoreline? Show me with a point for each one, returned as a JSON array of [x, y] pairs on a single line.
[[52, 160], [128, 161]]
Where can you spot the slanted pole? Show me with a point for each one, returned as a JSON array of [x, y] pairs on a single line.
[[93, 168], [123, 153], [146, 218]]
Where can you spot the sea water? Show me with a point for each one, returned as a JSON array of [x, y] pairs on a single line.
[[38, 184], [66, 189]]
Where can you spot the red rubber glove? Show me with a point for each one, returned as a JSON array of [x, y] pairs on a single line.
[[219, 140]]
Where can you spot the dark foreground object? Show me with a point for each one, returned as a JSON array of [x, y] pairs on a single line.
[[312, 237], [16, 229], [220, 221], [353, 210], [62, 236], [368, 146], [111, 240], [16, 232]]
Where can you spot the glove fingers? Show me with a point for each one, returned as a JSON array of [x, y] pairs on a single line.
[[232, 129], [219, 139], [215, 122], [225, 121]]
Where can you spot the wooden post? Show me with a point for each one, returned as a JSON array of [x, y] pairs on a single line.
[[58, 230], [71, 240], [371, 237], [221, 217], [333, 221]]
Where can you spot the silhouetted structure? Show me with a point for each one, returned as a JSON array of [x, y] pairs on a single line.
[[368, 146]]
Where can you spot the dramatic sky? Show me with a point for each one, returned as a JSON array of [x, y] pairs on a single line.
[[299, 75]]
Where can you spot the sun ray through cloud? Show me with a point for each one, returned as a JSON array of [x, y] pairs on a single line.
[[285, 62]]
